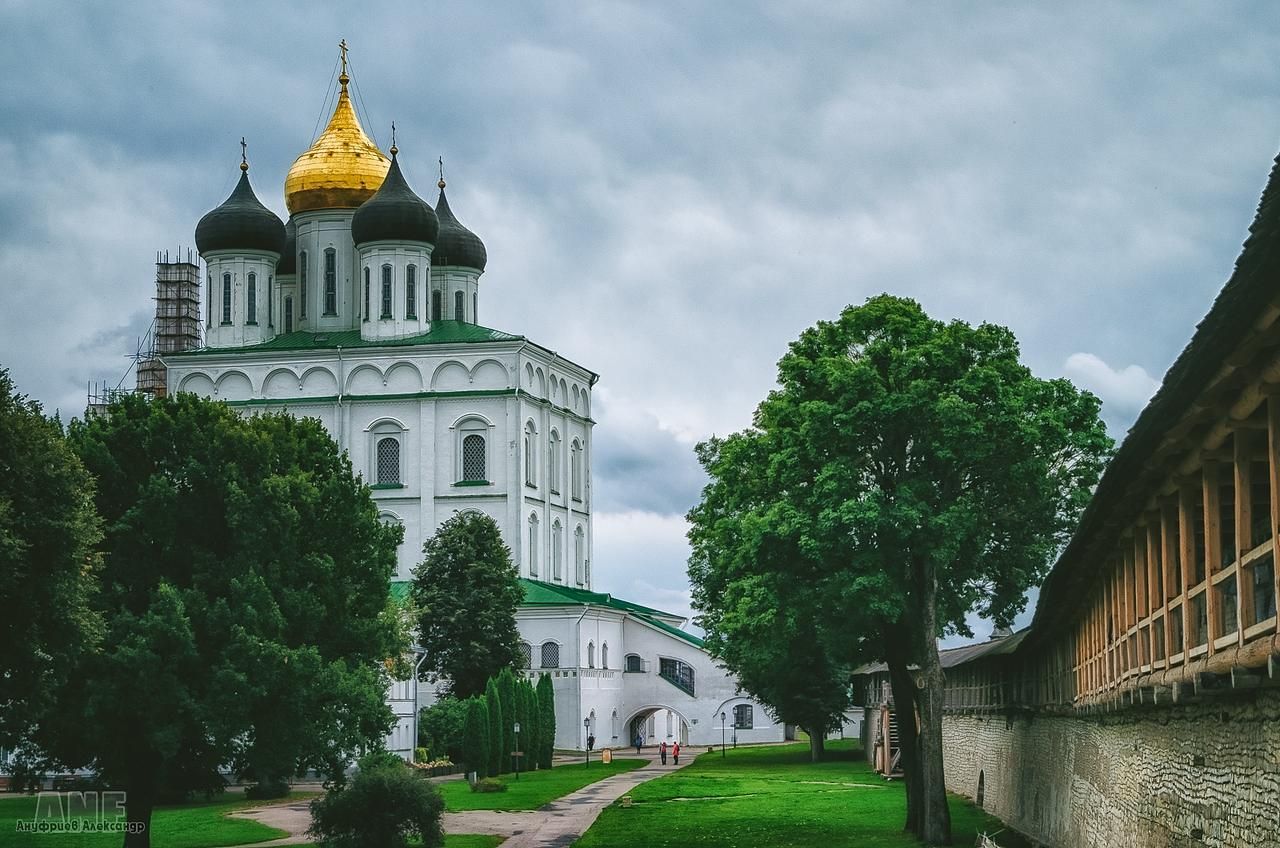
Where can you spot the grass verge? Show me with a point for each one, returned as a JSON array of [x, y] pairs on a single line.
[[195, 825], [773, 796], [471, 840], [533, 789]]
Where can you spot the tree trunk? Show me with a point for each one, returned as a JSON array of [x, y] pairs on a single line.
[[935, 823], [904, 705], [817, 745], [139, 803]]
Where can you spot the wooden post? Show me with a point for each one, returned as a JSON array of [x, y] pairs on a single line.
[[1187, 538], [1244, 529], [1212, 545], [1273, 467]]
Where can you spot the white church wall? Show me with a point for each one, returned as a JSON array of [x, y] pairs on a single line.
[[317, 232]]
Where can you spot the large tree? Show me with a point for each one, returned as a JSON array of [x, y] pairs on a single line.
[[915, 471], [467, 591], [49, 531], [245, 588]]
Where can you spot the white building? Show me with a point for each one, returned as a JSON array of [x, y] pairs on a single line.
[[363, 312]]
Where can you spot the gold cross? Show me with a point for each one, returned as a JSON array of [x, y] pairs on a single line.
[[342, 45]]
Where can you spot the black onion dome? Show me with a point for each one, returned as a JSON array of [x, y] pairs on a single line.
[[288, 263], [394, 213], [456, 245], [240, 223]]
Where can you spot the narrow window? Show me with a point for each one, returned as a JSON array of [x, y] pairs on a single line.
[[457, 307], [530, 454], [591, 655], [288, 314], [550, 655], [411, 292], [330, 281], [366, 293], [226, 298], [575, 469], [475, 308], [436, 309], [209, 307], [580, 556], [557, 549], [533, 545], [604, 655], [553, 463], [251, 300], [271, 304], [473, 457], [386, 291], [388, 460], [302, 284]]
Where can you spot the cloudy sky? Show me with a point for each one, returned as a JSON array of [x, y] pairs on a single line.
[[669, 192]]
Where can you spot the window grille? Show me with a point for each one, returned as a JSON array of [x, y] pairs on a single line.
[[458, 314], [330, 282], [386, 291], [388, 460], [411, 292], [526, 655], [288, 315], [251, 300], [226, 298], [366, 293], [743, 717], [550, 655], [473, 457]]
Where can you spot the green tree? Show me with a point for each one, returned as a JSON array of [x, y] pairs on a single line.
[[530, 726], [467, 591], [914, 471], [49, 531], [496, 721], [475, 745], [245, 590], [384, 806], [510, 714], [547, 718], [440, 728]]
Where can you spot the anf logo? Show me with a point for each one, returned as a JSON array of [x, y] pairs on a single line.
[[77, 812]]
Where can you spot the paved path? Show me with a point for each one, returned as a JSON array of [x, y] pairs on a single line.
[[555, 825]]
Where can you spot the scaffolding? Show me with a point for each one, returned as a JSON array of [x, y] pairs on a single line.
[[177, 323]]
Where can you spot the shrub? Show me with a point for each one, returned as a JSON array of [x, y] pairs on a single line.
[[440, 727], [266, 790], [488, 784], [384, 806], [380, 759]]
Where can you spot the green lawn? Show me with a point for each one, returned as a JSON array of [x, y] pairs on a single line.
[[773, 796], [533, 789], [471, 840], [195, 825]]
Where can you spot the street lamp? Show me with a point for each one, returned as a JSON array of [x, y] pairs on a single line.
[[413, 744], [722, 717], [586, 731], [515, 755]]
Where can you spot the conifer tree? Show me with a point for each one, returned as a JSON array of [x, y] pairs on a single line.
[[547, 717], [496, 721], [532, 725], [507, 692], [475, 739]]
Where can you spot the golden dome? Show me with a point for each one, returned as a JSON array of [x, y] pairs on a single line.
[[342, 169]]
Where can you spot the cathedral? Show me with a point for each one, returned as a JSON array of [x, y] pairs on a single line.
[[363, 311]]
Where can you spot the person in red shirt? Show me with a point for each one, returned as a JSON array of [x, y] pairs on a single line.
[[662, 752], [675, 753]]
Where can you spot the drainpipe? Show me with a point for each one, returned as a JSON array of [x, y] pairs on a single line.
[[342, 379], [578, 659]]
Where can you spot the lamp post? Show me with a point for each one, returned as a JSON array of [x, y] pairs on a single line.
[[735, 730], [515, 755], [413, 745], [586, 734], [722, 718]]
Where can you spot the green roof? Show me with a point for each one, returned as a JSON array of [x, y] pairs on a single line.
[[442, 332], [538, 594]]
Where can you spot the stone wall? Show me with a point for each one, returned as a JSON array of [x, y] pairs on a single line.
[[1203, 774]]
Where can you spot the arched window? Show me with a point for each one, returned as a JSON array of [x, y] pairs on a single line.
[[743, 717], [271, 304], [436, 308], [591, 655], [526, 655], [604, 654], [533, 545], [209, 304], [458, 314], [473, 457], [557, 549], [530, 454], [302, 284], [388, 460], [575, 469], [386, 292], [330, 281], [288, 314], [475, 308], [366, 293], [251, 300], [550, 655], [633, 664], [411, 292], [579, 556], [553, 463], [226, 298]]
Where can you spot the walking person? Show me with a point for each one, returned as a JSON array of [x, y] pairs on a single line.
[[662, 752], [638, 741], [675, 753]]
